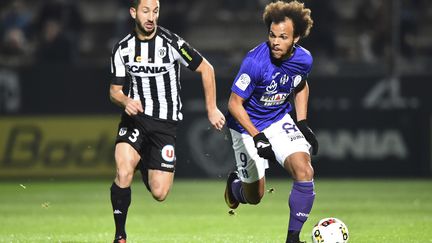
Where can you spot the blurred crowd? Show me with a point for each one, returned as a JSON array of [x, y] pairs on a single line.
[[48, 33], [77, 32]]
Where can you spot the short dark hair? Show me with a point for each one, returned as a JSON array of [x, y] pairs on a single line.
[[277, 12], [135, 3]]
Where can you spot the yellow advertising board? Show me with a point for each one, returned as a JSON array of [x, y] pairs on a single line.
[[57, 146]]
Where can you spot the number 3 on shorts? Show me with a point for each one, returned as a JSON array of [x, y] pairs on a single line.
[[133, 138]]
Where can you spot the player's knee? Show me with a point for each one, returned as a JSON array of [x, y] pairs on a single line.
[[159, 194], [125, 170], [124, 176], [159, 191], [305, 173]]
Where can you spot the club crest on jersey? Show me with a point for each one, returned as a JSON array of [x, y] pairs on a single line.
[[284, 79], [122, 131], [162, 52], [168, 153], [274, 99]]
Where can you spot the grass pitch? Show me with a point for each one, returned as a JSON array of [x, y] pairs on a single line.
[[75, 211]]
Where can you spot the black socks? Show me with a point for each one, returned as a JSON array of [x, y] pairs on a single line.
[[120, 200]]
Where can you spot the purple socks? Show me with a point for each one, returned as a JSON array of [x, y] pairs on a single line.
[[300, 203], [237, 191]]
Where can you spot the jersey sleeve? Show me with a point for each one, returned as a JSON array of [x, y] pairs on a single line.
[[186, 54], [246, 79], [307, 66], [308, 69], [118, 69]]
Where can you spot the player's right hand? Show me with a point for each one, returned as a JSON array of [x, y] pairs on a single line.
[[216, 118], [133, 107], [264, 146]]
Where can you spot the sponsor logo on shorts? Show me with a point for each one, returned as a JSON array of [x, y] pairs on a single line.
[[170, 166], [122, 131], [168, 153], [295, 137]]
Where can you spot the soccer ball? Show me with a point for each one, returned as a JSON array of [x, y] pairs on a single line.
[[330, 230]]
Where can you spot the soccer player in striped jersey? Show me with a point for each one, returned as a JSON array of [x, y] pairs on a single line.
[[259, 120], [149, 60]]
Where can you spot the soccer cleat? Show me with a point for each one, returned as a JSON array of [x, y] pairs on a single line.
[[119, 239], [295, 241], [294, 237], [229, 197]]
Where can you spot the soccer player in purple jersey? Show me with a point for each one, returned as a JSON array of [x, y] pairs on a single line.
[[259, 119]]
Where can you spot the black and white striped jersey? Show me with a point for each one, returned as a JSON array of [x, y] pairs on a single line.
[[153, 69]]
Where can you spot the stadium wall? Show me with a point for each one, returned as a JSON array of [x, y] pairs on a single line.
[[59, 122]]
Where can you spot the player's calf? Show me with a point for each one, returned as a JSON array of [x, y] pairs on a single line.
[[254, 191], [300, 202]]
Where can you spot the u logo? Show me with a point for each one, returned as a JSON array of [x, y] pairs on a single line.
[[168, 153]]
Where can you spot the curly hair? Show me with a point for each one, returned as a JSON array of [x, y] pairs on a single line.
[[277, 12]]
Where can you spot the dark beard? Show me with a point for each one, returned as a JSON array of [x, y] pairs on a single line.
[[143, 31], [278, 61]]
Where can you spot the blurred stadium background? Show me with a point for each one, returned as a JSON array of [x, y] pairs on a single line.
[[370, 102]]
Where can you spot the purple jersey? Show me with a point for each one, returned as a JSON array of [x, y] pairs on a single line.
[[266, 85]]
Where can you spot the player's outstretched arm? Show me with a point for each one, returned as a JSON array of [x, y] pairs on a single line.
[[215, 116], [132, 107]]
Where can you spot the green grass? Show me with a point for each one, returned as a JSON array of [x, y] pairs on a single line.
[[57, 211]]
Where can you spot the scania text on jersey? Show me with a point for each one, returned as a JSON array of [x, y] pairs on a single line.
[[145, 69]]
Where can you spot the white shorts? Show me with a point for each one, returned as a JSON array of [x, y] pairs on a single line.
[[285, 139]]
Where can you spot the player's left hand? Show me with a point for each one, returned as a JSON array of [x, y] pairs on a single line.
[[309, 135], [216, 118]]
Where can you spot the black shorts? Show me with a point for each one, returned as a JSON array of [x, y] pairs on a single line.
[[153, 139]]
